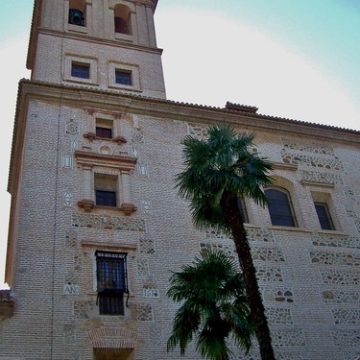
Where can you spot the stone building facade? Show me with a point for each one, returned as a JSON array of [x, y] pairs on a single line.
[[96, 226]]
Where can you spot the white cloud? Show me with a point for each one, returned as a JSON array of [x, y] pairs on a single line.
[[209, 59]]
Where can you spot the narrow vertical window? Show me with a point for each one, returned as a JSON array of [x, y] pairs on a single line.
[[111, 282], [122, 19], [323, 214], [280, 209], [106, 190]]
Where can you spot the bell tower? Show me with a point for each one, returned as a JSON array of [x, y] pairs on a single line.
[[99, 44]]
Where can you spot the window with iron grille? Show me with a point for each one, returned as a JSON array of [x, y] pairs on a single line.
[[324, 216], [112, 282], [280, 208]]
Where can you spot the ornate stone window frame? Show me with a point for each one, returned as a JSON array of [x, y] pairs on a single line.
[[120, 165], [116, 128]]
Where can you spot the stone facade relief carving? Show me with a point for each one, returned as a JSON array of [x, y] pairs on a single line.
[[335, 241], [341, 296], [279, 316], [337, 259], [341, 277], [320, 177], [346, 316], [100, 222]]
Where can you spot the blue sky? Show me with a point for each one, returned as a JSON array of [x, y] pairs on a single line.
[[291, 58]]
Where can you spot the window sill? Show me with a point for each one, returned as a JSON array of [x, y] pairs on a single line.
[[288, 228], [332, 232], [92, 136], [89, 206], [77, 28]]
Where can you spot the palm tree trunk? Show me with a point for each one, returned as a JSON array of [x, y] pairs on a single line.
[[235, 221]]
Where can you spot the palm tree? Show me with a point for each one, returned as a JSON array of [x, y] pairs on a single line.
[[217, 172], [214, 307]]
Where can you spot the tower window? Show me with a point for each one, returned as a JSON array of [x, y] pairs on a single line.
[[80, 70], [123, 77], [280, 208], [77, 10], [324, 216], [122, 19], [111, 277], [106, 190]]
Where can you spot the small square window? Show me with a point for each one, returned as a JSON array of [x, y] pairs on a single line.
[[123, 77], [104, 128], [324, 216], [80, 70]]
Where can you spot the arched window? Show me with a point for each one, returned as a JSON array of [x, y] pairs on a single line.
[[77, 12], [280, 208], [122, 19]]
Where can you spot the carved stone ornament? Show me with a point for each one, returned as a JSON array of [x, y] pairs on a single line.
[[90, 136], [127, 208], [87, 205]]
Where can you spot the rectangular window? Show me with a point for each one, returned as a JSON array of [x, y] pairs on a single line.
[[324, 216], [112, 282], [80, 70], [104, 128], [106, 189], [123, 77]]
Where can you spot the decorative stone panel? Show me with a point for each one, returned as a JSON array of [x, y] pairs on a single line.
[[216, 234], [71, 239], [325, 178], [72, 127], [137, 136], [82, 309], [101, 222], [112, 338], [294, 158], [268, 274], [288, 337], [309, 147], [198, 131], [144, 312], [341, 277], [280, 295], [338, 259], [259, 234], [143, 268], [346, 316], [226, 248], [346, 337], [336, 240], [268, 254], [279, 316], [341, 296], [147, 246]]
